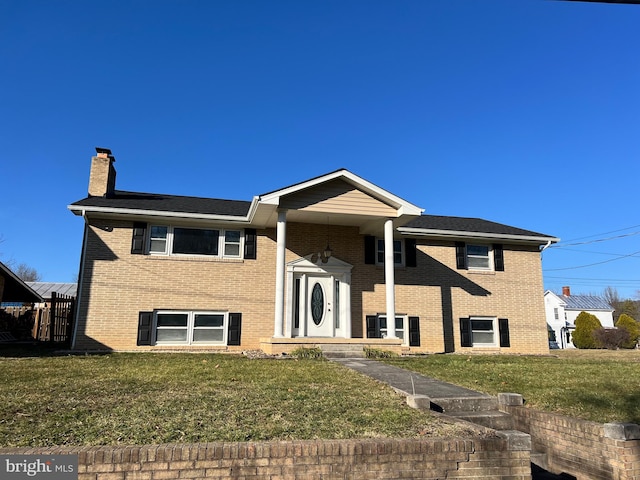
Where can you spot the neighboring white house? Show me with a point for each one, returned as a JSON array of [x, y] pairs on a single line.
[[562, 310]]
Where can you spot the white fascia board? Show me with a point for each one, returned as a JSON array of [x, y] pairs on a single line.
[[460, 234], [78, 210], [404, 207]]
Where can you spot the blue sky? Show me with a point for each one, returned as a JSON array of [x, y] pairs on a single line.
[[522, 112]]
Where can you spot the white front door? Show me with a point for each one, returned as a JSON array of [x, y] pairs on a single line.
[[319, 309]]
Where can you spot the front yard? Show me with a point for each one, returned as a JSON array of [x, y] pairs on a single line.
[[139, 399]]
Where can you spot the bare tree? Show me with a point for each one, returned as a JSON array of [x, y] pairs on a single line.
[[27, 273], [612, 297]]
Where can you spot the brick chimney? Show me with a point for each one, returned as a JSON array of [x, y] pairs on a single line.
[[566, 291], [102, 179]]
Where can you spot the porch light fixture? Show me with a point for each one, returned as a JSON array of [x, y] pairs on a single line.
[[326, 254]]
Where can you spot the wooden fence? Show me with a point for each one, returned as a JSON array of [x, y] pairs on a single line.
[[52, 322]]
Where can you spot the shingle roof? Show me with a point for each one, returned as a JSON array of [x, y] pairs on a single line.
[[44, 289], [167, 203], [463, 224], [585, 302]]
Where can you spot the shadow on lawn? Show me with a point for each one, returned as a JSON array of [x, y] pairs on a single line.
[[628, 402], [31, 349]]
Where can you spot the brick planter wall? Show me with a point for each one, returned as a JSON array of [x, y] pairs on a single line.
[[484, 458], [586, 450]]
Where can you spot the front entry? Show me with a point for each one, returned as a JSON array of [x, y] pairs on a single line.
[[320, 309], [319, 293]]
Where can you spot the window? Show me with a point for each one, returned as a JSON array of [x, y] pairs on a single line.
[[399, 327], [484, 332], [191, 327], [555, 314], [478, 257], [397, 251], [158, 239], [167, 240]]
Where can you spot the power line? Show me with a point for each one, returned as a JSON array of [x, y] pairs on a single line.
[[593, 264], [604, 233], [562, 245]]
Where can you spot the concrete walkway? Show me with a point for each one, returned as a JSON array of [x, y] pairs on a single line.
[[407, 382]]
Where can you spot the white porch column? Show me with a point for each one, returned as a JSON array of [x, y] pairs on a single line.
[[389, 279], [281, 237]]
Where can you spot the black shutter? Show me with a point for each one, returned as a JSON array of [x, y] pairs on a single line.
[[137, 243], [370, 250], [503, 325], [372, 327], [414, 331], [410, 255], [461, 256], [145, 323], [250, 244], [235, 324], [498, 258], [465, 332]]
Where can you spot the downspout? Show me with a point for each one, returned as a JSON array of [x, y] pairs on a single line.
[[80, 279]]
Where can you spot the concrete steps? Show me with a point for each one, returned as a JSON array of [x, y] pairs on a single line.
[[336, 350], [490, 418]]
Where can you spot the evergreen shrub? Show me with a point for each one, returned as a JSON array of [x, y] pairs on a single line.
[[586, 324], [625, 322]]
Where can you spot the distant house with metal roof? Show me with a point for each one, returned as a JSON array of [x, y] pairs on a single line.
[[562, 311], [45, 289]]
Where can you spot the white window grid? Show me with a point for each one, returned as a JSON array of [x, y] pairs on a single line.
[[232, 248]]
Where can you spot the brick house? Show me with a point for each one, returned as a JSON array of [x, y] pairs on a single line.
[[327, 260]]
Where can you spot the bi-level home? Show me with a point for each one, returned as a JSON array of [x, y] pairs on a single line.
[[332, 259]]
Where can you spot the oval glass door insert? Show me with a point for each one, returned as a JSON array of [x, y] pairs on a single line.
[[317, 303]]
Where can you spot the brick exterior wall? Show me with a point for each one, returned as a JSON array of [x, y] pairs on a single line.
[[116, 286], [586, 450], [376, 459]]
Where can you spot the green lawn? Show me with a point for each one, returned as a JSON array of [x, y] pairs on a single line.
[[160, 398], [597, 385]]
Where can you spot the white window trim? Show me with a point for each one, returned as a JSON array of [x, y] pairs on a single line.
[[404, 329], [495, 330], [491, 263], [402, 252], [190, 326], [221, 242]]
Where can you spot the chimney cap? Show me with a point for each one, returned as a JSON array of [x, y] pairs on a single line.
[[105, 152]]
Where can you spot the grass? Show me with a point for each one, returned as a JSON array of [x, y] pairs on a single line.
[[162, 398], [598, 385]]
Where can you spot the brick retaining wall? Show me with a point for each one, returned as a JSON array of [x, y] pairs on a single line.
[[478, 458], [586, 450]]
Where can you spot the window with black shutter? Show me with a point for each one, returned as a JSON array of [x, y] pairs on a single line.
[[498, 258], [414, 331], [138, 240], [145, 324], [373, 329], [465, 332], [411, 259], [250, 244], [503, 326], [370, 250], [461, 256], [235, 324]]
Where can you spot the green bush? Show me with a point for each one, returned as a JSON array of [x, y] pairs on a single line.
[[586, 324], [371, 352], [314, 353], [625, 322]]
